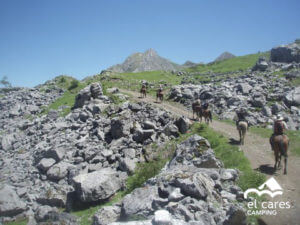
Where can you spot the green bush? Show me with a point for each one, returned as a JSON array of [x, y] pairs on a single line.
[[74, 84]]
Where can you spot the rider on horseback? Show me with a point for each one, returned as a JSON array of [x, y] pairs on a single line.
[[205, 106], [278, 128], [160, 89], [241, 116]]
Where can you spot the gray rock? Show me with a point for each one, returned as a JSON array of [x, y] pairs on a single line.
[[82, 98], [261, 64], [139, 202], [162, 217], [98, 185], [107, 215], [245, 88], [10, 203], [127, 165], [59, 171], [119, 128], [235, 216], [183, 124], [171, 130], [56, 153], [96, 90], [43, 213], [286, 53], [292, 98], [267, 111], [7, 141], [45, 164], [140, 135], [198, 186]]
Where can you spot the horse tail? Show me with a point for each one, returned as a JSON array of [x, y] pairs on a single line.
[[210, 116]]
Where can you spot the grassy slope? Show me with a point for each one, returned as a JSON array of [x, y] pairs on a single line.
[[294, 137], [229, 65]]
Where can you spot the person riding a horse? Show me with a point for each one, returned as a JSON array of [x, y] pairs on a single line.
[[278, 128], [160, 89], [241, 116], [205, 106]]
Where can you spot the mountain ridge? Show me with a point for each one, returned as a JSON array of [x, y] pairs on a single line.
[[146, 61]]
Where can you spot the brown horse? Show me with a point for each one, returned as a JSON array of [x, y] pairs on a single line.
[[196, 107], [242, 127], [206, 113], [143, 92], [280, 147], [159, 95]]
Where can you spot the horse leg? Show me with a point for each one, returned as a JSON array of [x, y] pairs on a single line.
[[276, 158], [285, 164]]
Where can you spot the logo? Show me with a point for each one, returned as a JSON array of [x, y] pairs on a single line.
[[273, 186]]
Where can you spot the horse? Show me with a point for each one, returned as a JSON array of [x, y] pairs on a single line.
[[280, 147], [159, 95], [242, 127], [196, 107], [206, 113], [143, 92]]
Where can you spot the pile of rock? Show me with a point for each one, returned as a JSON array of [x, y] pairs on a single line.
[[52, 161], [193, 188], [263, 95]]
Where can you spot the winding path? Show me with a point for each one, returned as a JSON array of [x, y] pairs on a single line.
[[257, 150]]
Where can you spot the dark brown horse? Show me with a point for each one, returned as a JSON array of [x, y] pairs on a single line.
[[159, 95], [206, 113], [197, 109], [280, 147], [143, 92]]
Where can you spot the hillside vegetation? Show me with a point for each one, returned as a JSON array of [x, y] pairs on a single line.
[[230, 65]]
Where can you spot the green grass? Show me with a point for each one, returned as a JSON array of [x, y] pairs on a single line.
[[231, 156], [17, 222], [230, 65], [293, 135], [67, 100], [132, 81], [295, 82], [85, 215]]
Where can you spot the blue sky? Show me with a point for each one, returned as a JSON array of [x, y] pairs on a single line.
[[42, 39]]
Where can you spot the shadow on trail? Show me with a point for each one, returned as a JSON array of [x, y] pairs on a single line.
[[233, 141], [266, 169]]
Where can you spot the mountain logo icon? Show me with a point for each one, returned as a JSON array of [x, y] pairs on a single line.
[[273, 189]]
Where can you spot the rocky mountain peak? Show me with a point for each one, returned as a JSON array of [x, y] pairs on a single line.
[[146, 61], [223, 56], [150, 52]]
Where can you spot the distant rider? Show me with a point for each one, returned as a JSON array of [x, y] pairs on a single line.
[[241, 116], [279, 127]]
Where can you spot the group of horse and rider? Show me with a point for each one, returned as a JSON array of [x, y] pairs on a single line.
[[159, 92], [279, 141]]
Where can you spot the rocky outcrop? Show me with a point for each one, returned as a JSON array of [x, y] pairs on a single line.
[[52, 161], [92, 91], [261, 93], [261, 64], [10, 203], [286, 53], [185, 192], [98, 185]]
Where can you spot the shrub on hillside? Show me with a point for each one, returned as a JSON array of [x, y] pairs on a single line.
[[74, 84]]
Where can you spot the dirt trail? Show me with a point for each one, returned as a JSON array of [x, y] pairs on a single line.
[[257, 150]]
